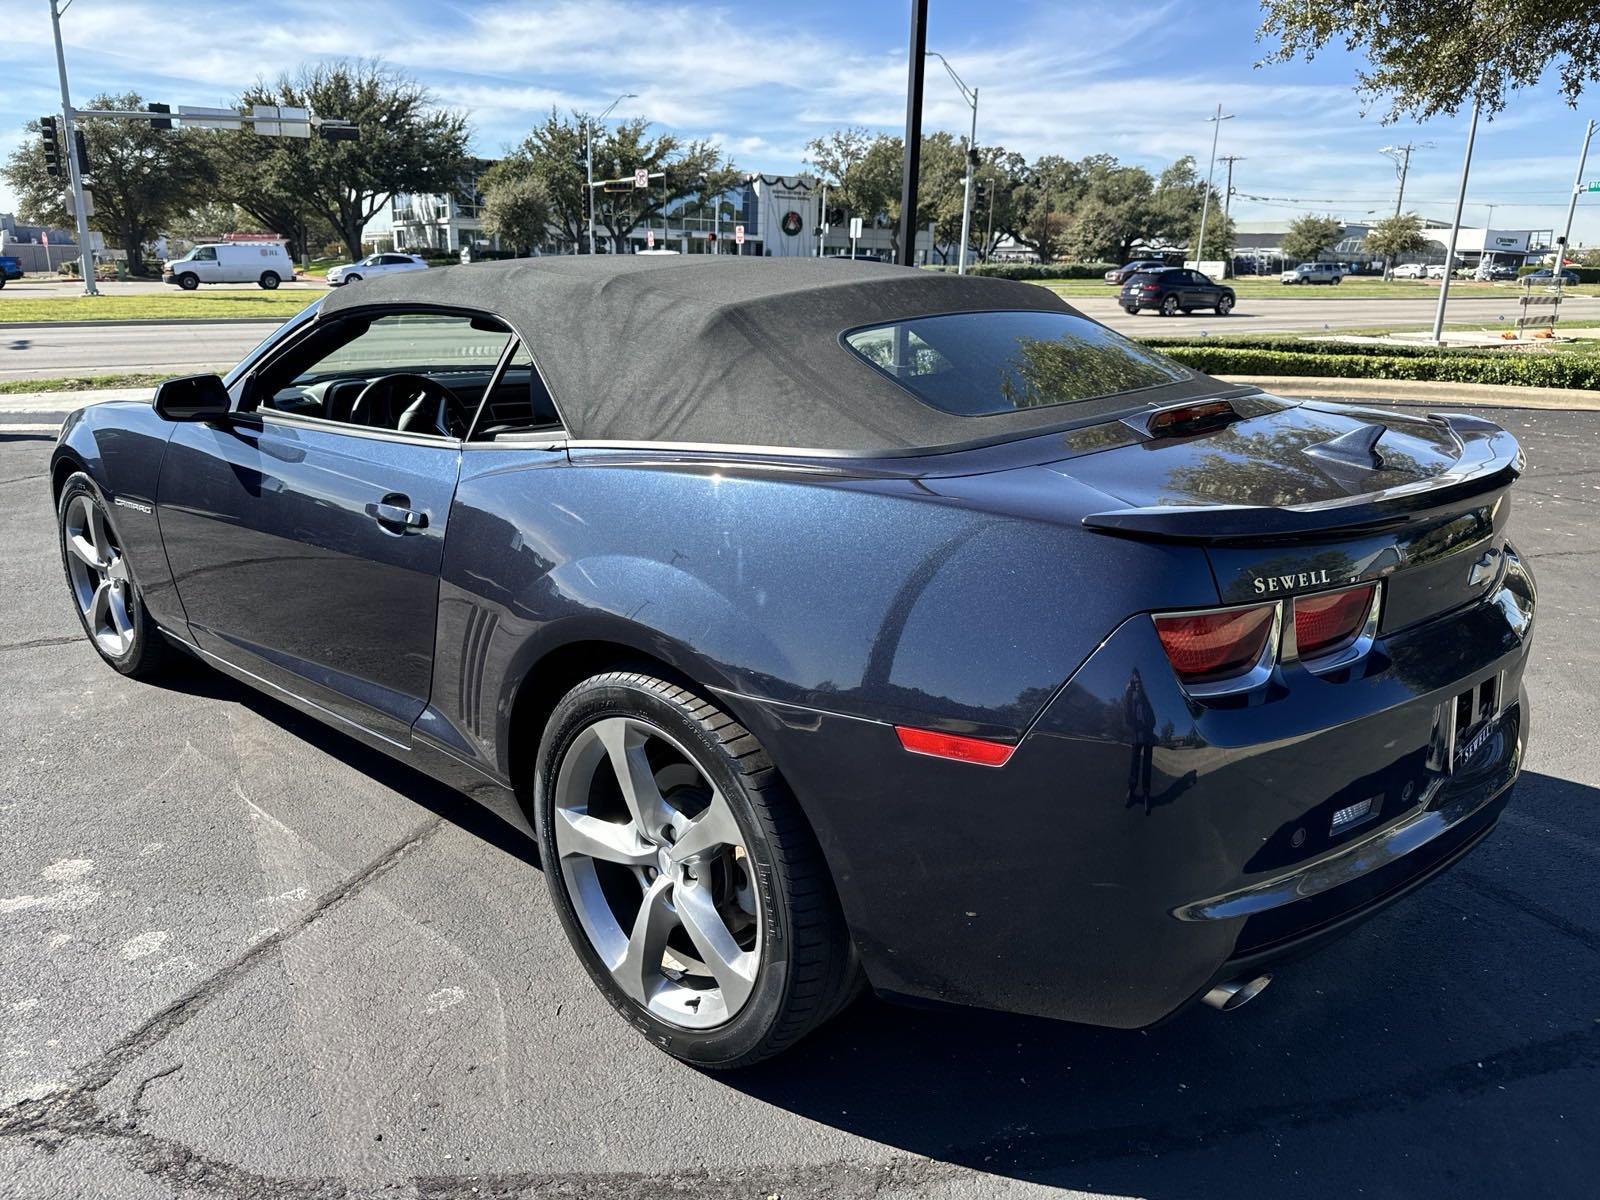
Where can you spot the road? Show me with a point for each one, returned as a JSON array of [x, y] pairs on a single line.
[[243, 956], [44, 352]]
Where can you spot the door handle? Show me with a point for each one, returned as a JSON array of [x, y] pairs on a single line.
[[394, 512]]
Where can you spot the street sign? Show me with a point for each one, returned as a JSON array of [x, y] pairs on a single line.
[[88, 203], [273, 120], [1592, 187], [855, 228], [195, 116], [649, 239], [641, 178], [738, 235]]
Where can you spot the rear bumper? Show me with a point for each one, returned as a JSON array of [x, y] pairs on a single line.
[[1138, 848]]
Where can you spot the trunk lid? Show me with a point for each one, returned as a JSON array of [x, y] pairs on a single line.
[[1302, 498]]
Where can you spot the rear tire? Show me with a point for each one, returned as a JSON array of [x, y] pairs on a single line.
[[1131, 309], [188, 281], [759, 882], [269, 281], [104, 593]]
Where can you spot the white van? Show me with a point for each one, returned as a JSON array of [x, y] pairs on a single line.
[[264, 263]]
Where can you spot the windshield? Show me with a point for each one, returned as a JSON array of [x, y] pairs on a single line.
[[973, 364]]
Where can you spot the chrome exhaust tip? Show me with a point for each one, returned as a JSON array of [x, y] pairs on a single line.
[[1236, 993]]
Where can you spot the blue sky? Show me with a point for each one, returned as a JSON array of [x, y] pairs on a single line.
[[1133, 80]]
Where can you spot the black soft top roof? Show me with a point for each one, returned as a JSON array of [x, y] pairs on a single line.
[[724, 349]]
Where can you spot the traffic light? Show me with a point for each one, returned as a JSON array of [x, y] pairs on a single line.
[[160, 122], [50, 135], [338, 131], [82, 147], [836, 216]]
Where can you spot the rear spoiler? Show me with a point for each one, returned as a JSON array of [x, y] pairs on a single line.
[[1489, 461]]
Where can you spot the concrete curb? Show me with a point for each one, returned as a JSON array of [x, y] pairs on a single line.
[[1428, 392], [270, 322]]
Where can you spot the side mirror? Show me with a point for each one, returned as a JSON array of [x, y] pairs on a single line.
[[192, 398]]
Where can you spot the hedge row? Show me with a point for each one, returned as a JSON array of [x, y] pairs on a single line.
[[1519, 370], [1295, 345], [1036, 270]]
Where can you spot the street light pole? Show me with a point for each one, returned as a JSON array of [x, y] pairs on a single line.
[[1455, 228], [970, 95], [69, 152], [1205, 205], [913, 145], [1577, 186], [588, 155]]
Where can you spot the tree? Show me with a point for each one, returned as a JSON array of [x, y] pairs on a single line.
[[141, 177], [691, 169], [553, 153], [407, 144], [1047, 194], [1428, 59], [1311, 236], [516, 208], [1394, 236], [856, 166]]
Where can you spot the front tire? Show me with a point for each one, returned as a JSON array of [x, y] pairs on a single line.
[[102, 586], [188, 281], [269, 281], [684, 874], [1169, 307], [1224, 306], [350, 279]]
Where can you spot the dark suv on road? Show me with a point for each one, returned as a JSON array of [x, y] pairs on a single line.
[[1175, 290]]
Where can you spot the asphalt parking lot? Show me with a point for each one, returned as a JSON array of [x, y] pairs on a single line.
[[243, 956]]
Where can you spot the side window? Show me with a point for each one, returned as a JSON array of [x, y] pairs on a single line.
[[519, 403], [205, 254], [1197, 277], [421, 373]]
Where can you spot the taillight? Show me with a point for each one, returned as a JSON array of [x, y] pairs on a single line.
[[1325, 622], [948, 745], [1216, 645], [1151, 287]]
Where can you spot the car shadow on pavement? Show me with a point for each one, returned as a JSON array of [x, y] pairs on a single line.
[[1449, 1046], [196, 679]]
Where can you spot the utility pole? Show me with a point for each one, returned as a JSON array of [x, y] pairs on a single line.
[[1455, 228], [69, 152], [1572, 204], [589, 160], [912, 161], [970, 95], [1401, 157], [1227, 195], [1205, 205]]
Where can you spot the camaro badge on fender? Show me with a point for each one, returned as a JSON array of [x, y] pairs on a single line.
[[133, 504]]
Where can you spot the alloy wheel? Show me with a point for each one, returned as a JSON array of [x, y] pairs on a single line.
[[658, 872], [98, 571]]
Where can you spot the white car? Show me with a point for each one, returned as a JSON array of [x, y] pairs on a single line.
[[264, 263], [1410, 271], [1314, 272], [374, 264], [1436, 271]]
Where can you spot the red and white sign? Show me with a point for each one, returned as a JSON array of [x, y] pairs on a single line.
[[649, 239], [738, 235], [251, 237], [641, 178]]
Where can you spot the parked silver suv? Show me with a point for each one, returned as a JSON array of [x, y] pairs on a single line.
[[1314, 272]]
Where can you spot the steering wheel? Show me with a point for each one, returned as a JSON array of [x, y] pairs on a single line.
[[411, 403]]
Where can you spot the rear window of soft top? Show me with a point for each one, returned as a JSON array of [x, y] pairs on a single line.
[[979, 363]]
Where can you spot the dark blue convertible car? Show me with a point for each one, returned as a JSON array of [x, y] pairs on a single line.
[[842, 626]]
